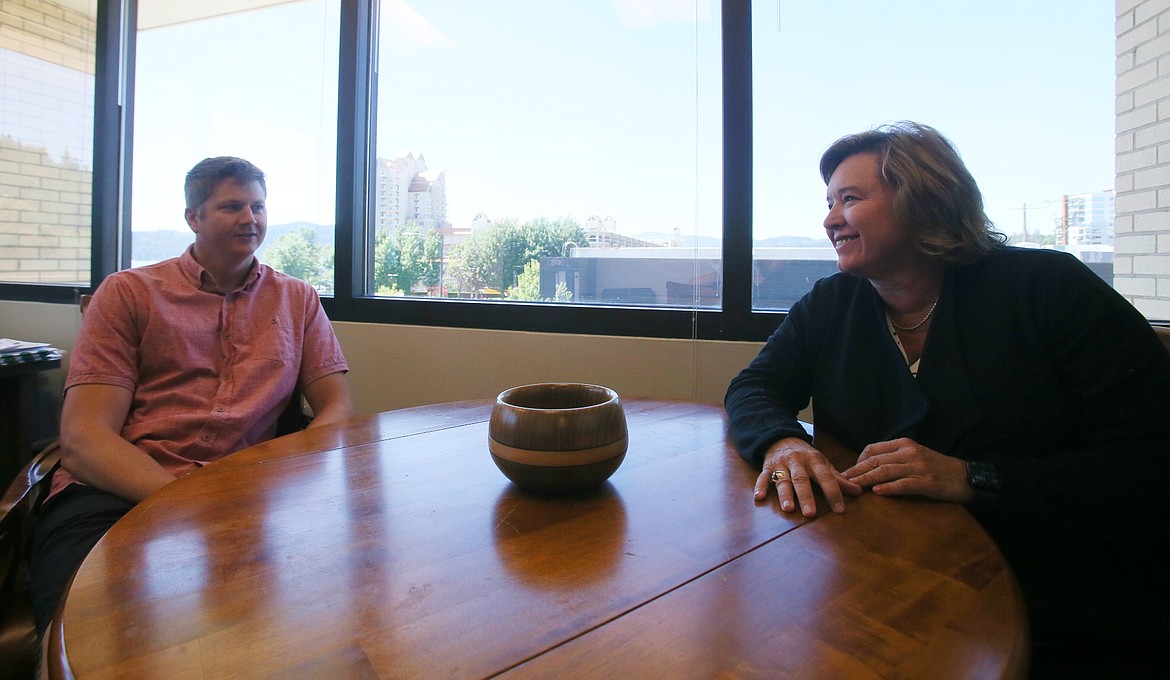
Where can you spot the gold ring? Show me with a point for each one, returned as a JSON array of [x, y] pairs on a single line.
[[779, 476]]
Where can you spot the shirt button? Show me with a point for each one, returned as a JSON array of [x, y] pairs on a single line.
[[206, 437], [219, 410]]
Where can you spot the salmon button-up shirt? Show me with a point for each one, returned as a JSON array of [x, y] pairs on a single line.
[[210, 371]]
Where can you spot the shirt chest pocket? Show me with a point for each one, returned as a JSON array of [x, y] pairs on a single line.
[[275, 342]]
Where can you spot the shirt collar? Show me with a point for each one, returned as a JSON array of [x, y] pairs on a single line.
[[203, 279]]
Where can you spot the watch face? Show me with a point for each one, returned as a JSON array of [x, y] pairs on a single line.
[[982, 475]]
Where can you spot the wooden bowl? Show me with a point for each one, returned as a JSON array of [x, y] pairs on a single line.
[[558, 437]]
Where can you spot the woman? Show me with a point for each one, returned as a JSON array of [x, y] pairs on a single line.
[[1013, 381]]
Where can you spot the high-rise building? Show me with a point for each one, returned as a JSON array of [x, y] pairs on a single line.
[[1087, 219], [406, 191]]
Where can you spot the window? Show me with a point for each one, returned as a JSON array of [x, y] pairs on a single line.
[[548, 152], [256, 83], [1023, 90], [404, 139], [46, 141]]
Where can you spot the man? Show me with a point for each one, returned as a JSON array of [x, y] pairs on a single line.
[[178, 364]]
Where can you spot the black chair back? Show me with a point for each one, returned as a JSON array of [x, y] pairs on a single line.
[[22, 500]]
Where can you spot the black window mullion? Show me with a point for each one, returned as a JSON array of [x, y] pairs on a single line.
[[353, 144], [737, 320], [737, 162], [107, 139]]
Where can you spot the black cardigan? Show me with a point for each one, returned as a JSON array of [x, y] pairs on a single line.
[[1031, 362]]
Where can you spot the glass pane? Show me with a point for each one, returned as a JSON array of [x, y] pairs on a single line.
[[46, 141], [260, 84], [1024, 90], [548, 151]]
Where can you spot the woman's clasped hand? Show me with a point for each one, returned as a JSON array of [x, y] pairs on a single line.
[[801, 466], [899, 467]]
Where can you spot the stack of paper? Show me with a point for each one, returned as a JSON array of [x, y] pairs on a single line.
[[21, 352]]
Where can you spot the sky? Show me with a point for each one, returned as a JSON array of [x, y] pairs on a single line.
[[612, 107]]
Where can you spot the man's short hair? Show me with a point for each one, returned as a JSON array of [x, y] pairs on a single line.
[[209, 172]]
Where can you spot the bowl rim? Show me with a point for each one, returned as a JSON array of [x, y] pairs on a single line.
[[612, 396]]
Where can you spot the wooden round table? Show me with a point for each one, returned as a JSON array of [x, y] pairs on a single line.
[[391, 546]]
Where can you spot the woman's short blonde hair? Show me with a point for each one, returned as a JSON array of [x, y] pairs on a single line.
[[935, 195]]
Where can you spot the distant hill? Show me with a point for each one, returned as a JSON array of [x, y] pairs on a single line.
[[793, 242], [324, 234], [686, 241], [155, 246], [712, 242]]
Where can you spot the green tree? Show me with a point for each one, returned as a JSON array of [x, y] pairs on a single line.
[[426, 256], [404, 258], [547, 238], [562, 293], [496, 256], [385, 262], [491, 257], [528, 286], [298, 254]]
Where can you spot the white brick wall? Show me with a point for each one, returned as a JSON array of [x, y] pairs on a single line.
[[1141, 269], [46, 113]]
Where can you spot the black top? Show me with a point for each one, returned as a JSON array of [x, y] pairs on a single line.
[[1032, 362]]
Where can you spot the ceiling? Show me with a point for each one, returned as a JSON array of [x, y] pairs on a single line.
[[157, 13]]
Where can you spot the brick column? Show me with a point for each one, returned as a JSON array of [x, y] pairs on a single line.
[[1141, 265]]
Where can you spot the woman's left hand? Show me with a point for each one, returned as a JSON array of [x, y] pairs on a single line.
[[903, 467]]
